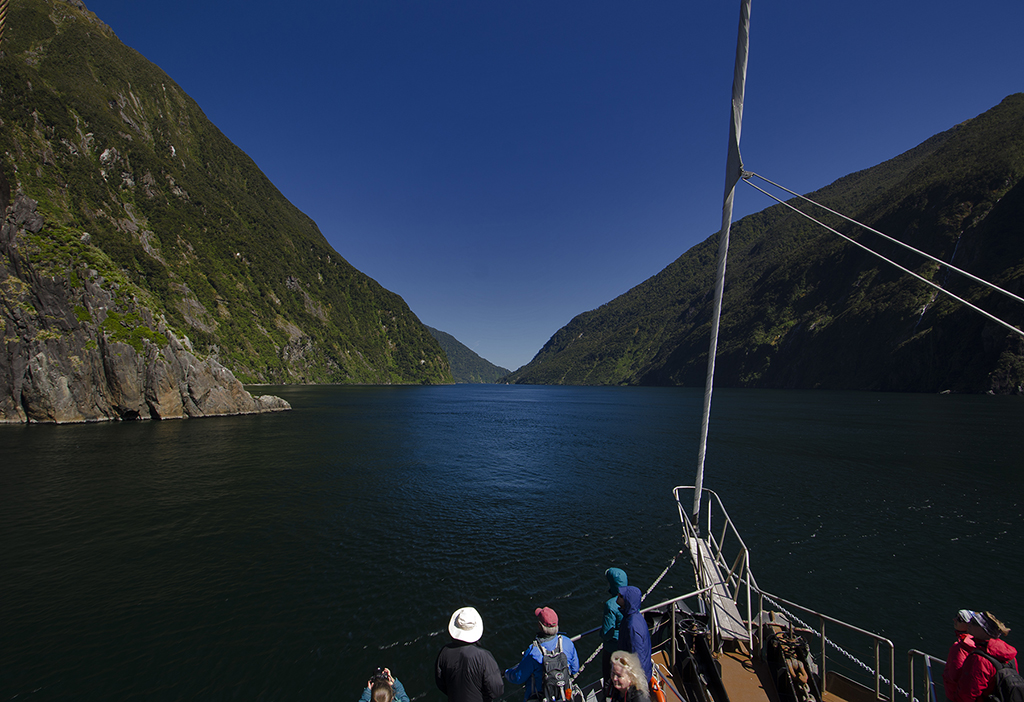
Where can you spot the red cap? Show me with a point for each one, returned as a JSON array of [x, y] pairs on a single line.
[[546, 616]]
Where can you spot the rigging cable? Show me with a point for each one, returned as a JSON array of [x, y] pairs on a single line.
[[747, 175]]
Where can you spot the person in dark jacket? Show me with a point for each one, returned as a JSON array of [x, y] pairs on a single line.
[[958, 652], [612, 619], [977, 671], [634, 636], [627, 681], [464, 671], [530, 669]]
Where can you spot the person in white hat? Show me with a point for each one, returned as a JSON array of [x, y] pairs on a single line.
[[464, 671]]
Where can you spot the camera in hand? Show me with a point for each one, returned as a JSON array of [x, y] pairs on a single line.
[[380, 677]]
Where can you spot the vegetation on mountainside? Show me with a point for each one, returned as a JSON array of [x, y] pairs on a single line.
[[803, 309], [141, 192], [467, 366]]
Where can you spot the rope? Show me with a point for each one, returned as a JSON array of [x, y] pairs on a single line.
[[661, 577], [592, 657], [834, 645], [856, 243]]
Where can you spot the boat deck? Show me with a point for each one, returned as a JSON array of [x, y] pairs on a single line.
[[727, 615], [745, 678], [661, 662]]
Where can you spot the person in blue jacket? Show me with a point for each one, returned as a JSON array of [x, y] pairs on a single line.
[[531, 669], [634, 636], [612, 619], [382, 687]]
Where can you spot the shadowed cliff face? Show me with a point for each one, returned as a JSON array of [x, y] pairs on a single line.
[[805, 309], [90, 352], [138, 188]]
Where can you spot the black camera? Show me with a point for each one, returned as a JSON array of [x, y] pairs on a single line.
[[380, 677]]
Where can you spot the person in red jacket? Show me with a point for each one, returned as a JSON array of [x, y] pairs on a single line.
[[977, 671], [958, 652]]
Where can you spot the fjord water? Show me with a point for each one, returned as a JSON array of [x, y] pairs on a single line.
[[286, 556]]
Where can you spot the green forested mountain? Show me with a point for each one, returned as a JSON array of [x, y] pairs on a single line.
[[804, 309], [141, 195], [467, 366]]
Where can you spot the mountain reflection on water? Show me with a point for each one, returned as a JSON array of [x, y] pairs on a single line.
[[286, 556]]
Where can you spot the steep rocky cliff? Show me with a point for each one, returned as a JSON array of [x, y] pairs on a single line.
[[143, 251], [84, 350]]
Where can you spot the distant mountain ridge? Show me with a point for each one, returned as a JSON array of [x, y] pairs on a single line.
[[803, 309], [116, 183], [467, 366]]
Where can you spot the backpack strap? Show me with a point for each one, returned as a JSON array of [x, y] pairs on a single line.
[[557, 649], [995, 661]]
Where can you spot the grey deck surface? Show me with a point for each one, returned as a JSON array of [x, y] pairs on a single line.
[[727, 616]]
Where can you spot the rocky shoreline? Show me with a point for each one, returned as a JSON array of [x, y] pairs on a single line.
[[79, 348]]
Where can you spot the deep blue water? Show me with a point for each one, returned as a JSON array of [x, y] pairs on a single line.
[[286, 556]]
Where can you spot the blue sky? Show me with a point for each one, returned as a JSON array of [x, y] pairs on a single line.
[[505, 165]]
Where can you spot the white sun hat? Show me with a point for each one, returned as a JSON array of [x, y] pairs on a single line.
[[466, 625]]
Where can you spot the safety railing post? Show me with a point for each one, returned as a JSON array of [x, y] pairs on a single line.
[[750, 618], [672, 652], [892, 672], [928, 660], [824, 650], [878, 681], [910, 656]]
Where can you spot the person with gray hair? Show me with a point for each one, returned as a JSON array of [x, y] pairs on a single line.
[[530, 669], [628, 683]]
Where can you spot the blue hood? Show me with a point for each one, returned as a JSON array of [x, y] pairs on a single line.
[[632, 596], [616, 579]]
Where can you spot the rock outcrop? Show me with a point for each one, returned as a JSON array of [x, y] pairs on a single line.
[[138, 186], [80, 348]]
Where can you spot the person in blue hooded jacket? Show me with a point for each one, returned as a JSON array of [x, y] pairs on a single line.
[[634, 636], [612, 619]]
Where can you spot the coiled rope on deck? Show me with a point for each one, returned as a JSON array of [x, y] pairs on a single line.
[[834, 645]]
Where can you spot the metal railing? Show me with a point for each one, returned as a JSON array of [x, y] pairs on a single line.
[[914, 654], [670, 604], [731, 556], [735, 574], [880, 644]]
